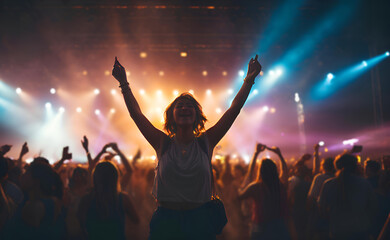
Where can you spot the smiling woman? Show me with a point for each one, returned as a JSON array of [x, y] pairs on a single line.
[[184, 110], [183, 180]]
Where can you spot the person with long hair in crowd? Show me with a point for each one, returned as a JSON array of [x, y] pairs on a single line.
[[183, 177], [269, 214], [104, 210], [40, 216]]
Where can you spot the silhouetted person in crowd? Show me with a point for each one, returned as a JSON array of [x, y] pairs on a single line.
[[372, 172], [326, 171], [6, 204], [183, 176], [269, 212], [347, 201], [77, 188], [318, 227], [298, 188], [377, 179], [41, 215], [104, 210]]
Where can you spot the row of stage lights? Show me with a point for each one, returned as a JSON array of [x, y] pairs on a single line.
[[61, 110], [142, 92], [205, 73], [364, 64], [97, 91], [274, 73]]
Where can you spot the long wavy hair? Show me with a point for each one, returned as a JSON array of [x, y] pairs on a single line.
[[50, 182], [272, 199], [106, 188], [200, 119]]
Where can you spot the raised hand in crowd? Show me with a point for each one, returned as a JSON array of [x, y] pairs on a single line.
[[316, 159], [95, 160], [136, 157], [128, 169], [4, 149], [65, 156], [23, 152], [249, 176], [284, 170]]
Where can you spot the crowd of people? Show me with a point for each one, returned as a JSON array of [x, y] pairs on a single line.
[[265, 199]]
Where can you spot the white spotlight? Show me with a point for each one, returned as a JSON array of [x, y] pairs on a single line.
[[330, 76], [350, 141], [321, 143], [112, 110], [279, 72], [208, 91], [52, 90], [159, 92], [142, 91], [48, 105], [271, 72], [79, 109], [297, 99], [218, 110], [364, 63], [241, 73], [96, 91], [230, 91], [113, 91], [255, 92], [265, 108], [97, 112], [387, 53], [191, 91], [175, 92], [18, 90], [61, 109]]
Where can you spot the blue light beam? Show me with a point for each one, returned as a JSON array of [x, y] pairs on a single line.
[[333, 83]]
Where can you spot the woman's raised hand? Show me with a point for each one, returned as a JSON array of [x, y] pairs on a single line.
[[84, 142], [119, 72], [260, 147], [254, 69]]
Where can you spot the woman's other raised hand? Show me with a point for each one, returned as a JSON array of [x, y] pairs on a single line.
[[119, 72]]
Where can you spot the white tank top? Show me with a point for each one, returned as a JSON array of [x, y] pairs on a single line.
[[183, 173]]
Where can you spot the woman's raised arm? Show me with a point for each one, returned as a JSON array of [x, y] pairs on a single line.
[[152, 134], [216, 132]]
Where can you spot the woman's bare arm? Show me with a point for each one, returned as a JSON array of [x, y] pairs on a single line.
[[152, 134], [216, 132], [249, 175]]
